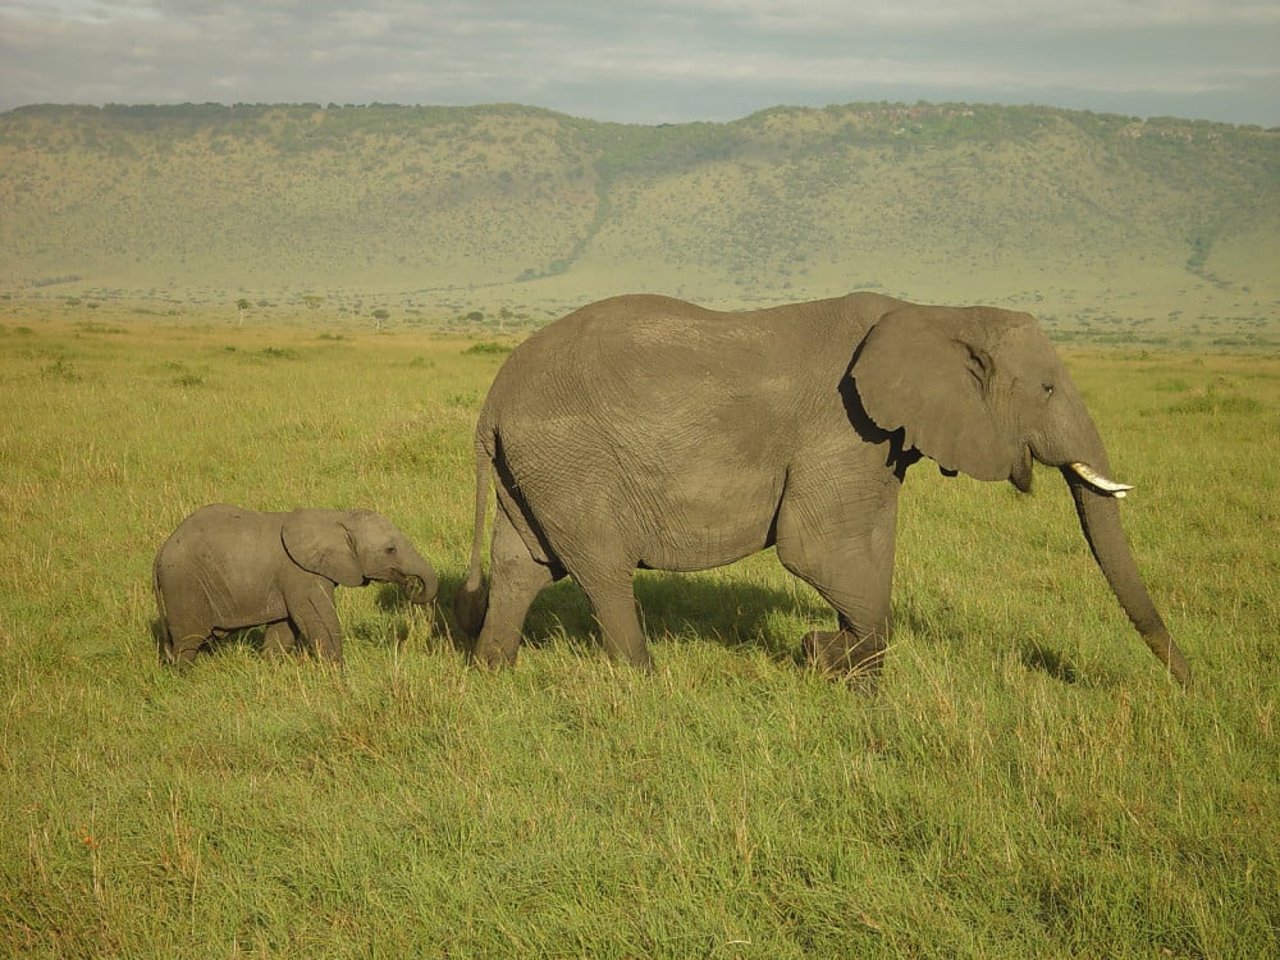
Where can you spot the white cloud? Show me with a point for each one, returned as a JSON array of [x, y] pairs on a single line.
[[642, 60], [80, 11], [792, 72], [812, 15]]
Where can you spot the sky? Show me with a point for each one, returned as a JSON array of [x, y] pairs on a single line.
[[655, 62]]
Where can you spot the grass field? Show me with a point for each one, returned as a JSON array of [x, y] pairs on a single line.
[[1025, 784]]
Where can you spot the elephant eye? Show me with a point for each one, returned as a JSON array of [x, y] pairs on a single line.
[[1048, 390], [391, 549]]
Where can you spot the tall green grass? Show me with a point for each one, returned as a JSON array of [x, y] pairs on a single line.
[[1025, 783]]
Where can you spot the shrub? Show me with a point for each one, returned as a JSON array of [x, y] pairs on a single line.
[[490, 347]]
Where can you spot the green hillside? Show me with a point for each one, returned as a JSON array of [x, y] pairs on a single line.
[[1088, 219]]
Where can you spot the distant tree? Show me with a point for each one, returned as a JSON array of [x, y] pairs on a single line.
[[380, 316], [242, 305]]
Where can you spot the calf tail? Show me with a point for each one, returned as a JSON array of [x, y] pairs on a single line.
[[164, 639]]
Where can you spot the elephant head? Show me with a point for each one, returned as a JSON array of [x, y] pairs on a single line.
[[355, 547], [982, 391]]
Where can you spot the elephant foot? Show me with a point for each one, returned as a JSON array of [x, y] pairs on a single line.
[[492, 656], [182, 655], [836, 653], [179, 665]]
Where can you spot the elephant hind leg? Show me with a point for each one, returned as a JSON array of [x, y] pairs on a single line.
[[613, 600], [185, 628], [281, 638], [515, 579], [607, 581], [184, 645]]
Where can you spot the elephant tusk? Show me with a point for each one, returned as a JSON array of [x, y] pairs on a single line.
[[1100, 483]]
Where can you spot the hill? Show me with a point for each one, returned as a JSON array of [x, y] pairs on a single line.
[[1089, 219]]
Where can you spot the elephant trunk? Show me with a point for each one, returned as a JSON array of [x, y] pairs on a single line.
[[1099, 514], [417, 577], [421, 585], [419, 589]]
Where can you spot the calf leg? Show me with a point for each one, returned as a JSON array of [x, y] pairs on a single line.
[[280, 639]]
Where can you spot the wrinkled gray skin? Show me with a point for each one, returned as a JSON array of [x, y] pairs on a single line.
[[226, 568], [643, 431]]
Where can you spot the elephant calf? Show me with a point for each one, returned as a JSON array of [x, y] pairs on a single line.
[[226, 568]]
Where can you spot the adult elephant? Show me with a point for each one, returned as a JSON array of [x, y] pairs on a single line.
[[646, 432]]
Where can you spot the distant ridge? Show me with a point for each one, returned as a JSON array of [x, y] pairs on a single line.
[[508, 203]]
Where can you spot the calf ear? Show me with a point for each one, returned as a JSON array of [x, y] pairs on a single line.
[[318, 542], [928, 371]]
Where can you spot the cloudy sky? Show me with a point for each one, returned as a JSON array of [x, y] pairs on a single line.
[[651, 62]]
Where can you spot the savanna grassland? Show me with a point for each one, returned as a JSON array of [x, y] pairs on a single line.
[[1026, 782]]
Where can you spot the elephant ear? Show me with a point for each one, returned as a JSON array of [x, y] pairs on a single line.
[[320, 543], [930, 371]]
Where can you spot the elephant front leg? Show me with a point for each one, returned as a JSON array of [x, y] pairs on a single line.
[[847, 651], [860, 595], [312, 609], [845, 552], [614, 603]]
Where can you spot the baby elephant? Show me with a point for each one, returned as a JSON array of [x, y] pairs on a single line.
[[226, 568]]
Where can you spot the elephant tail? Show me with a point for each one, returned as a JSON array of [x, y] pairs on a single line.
[[160, 630], [472, 598]]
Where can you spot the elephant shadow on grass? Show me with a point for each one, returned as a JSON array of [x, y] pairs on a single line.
[[735, 614], [1036, 656], [934, 622], [401, 621], [223, 642], [732, 613]]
